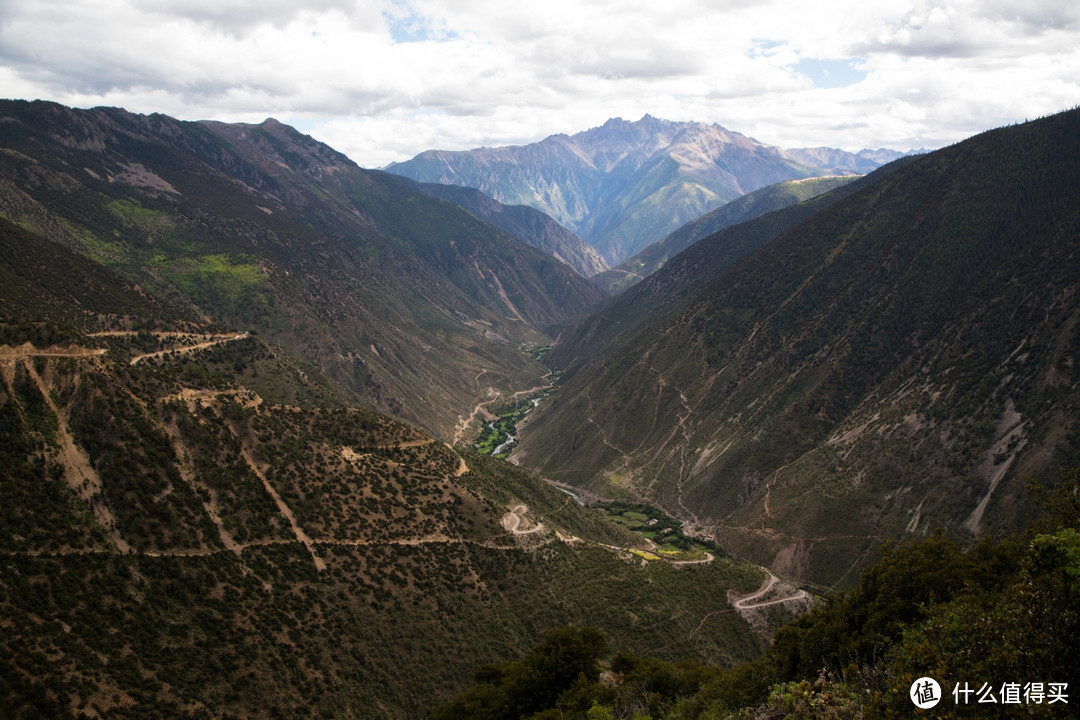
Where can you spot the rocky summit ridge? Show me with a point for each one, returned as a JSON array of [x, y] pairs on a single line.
[[625, 185]]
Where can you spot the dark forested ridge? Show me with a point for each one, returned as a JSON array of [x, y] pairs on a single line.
[[898, 361]]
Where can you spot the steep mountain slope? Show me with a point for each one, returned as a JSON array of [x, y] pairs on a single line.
[[898, 361], [192, 527], [625, 185], [47, 280], [748, 207], [527, 224], [413, 304], [658, 299]]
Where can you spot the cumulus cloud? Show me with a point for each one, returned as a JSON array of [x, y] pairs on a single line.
[[238, 17], [384, 79], [1035, 18]]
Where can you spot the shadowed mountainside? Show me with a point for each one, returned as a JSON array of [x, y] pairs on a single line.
[[900, 360], [527, 224], [749, 206]]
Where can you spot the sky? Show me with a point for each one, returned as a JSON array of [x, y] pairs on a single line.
[[382, 80]]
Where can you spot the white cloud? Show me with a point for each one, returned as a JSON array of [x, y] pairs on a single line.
[[384, 79]]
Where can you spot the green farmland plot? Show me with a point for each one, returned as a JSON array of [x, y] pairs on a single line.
[[664, 532]]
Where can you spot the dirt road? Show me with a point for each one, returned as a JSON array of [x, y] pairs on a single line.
[[513, 520], [750, 602], [215, 340]]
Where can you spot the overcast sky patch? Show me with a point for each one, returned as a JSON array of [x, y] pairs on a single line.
[[382, 80]]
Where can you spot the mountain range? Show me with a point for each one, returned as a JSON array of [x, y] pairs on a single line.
[[406, 303], [626, 185], [202, 516], [891, 357], [240, 379]]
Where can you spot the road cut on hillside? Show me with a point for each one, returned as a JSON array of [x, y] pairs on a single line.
[[753, 601], [210, 341]]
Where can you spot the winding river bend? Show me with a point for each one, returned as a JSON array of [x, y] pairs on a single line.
[[499, 435]]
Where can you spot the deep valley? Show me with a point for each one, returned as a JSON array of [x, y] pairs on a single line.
[[816, 441]]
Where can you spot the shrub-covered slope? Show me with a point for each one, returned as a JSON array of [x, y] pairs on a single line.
[[193, 523]]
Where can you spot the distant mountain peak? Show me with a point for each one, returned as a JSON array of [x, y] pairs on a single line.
[[626, 184]]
